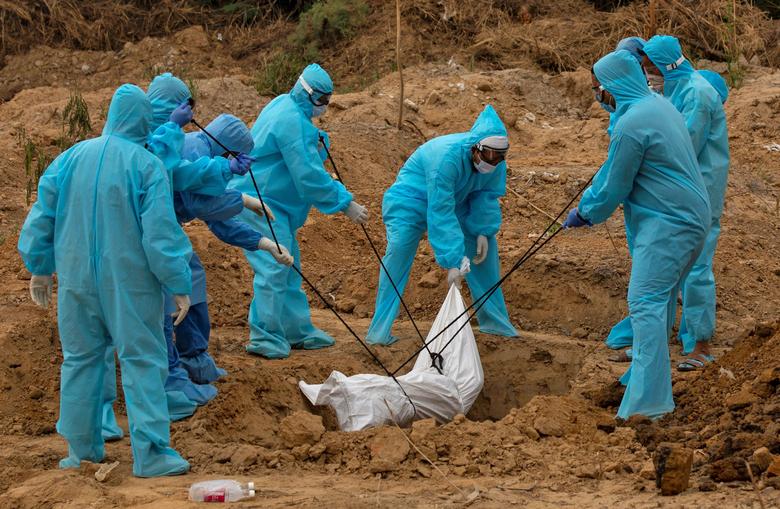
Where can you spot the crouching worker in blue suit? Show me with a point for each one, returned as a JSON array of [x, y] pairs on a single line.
[[450, 187], [651, 169], [190, 352], [104, 222]]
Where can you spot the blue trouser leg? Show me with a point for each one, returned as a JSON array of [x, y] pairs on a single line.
[[183, 394], [656, 275], [298, 329], [85, 340], [192, 342], [492, 316], [138, 335], [111, 430], [622, 334], [279, 316], [403, 236], [698, 295]]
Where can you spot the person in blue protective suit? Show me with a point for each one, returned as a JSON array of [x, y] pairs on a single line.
[[621, 334], [702, 108], [192, 334], [171, 110], [651, 169], [450, 187], [291, 177], [104, 222]]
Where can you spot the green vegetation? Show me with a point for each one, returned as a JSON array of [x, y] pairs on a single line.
[[324, 24], [75, 122], [35, 162]]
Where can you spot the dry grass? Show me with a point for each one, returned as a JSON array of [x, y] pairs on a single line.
[[108, 24]]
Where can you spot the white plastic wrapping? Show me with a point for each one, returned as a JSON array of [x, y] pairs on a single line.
[[362, 401]]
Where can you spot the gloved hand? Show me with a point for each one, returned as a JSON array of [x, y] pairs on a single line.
[[40, 290], [182, 115], [356, 212], [240, 165], [482, 249], [285, 258], [575, 220], [183, 306], [455, 275], [256, 206]]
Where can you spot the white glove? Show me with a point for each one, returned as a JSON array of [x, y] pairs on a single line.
[[356, 212], [182, 306], [40, 290], [285, 258], [482, 250], [455, 276], [256, 206]]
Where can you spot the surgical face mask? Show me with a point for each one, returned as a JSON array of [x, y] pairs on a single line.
[[318, 110], [655, 82], [484, 167]]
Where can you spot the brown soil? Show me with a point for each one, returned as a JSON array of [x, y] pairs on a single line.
[[535, 436]]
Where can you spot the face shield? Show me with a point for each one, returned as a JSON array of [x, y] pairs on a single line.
[[492, 151], [322, 98]]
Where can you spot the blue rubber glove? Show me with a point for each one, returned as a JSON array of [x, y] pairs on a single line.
[[575, 220], [240, 165], [182, 115]]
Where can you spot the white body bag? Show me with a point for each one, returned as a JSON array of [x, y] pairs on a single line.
[[365, 401]]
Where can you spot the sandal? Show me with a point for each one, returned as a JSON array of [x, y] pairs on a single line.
[[695, 362], [622, 356]]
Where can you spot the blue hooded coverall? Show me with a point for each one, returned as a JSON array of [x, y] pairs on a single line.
[[205, 175], [291, 177], [701, 283], [439, 190], [104, 222], [651, 169], [192, 334], [702, 107]]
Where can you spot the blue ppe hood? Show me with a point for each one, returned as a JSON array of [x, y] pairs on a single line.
[[717, 82], [633, 45], [129, 115], [232, 132], [318, 79], [665, 52], [166, 92]]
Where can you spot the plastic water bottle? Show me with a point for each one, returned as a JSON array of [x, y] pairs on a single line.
[[221, 491]]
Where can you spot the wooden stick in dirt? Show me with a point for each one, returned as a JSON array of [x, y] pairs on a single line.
[[398, 62], [532, 205], [755, 486]]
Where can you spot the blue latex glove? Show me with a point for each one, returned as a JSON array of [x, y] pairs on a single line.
[[575, 220], [240, 165], [182, 115]]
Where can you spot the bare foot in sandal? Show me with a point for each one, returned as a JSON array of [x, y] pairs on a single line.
[[698, 359]]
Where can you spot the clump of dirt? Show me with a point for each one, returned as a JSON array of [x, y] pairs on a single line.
[[729, 410]]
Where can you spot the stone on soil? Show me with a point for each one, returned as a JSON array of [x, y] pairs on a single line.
[[301, 428]]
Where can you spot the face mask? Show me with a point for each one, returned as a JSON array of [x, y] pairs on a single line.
[[655, 82], [484, 167], [318, 110], [607, 107]]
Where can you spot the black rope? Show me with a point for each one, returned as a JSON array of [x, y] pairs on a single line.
[[305, 279], [482, 299], [384, 268]]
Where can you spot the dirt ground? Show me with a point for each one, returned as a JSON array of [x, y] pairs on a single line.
[[541, 434]]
